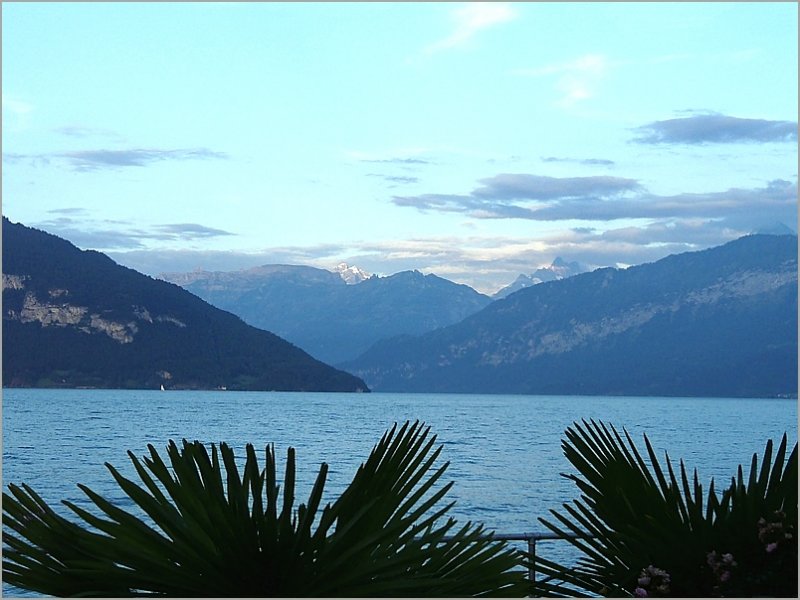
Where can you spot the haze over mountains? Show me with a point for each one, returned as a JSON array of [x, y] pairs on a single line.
[[333, 321], [720, 322], [75, 318]]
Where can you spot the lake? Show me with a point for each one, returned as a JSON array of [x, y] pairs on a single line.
[[504, 451]]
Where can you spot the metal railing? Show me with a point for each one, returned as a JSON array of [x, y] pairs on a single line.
[[531, 539]]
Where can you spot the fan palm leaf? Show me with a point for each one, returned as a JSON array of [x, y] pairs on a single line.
[[207, 528], [635, 516]]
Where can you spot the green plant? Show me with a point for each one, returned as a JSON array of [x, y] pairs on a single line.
[[218, 533], [642, 530]]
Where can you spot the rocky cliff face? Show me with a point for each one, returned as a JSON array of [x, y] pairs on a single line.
[[55, 310], [718, 322]]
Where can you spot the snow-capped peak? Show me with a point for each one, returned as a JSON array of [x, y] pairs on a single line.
[[558, 269], [351, 275]]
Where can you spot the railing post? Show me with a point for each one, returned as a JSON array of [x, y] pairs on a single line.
[[532, 552]]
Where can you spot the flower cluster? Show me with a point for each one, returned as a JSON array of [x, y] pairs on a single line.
[[652, 582], [771, 533], [721, 566]]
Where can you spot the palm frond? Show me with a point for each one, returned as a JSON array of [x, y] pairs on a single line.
[[208, 528], [640, 515]]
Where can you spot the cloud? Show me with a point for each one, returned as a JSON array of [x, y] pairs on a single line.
[[507, 186], [471, 18], [398, 161], [716, 129], [35, 160], [487, 263], [92, 160], [68, 211], [539, 198], [88, 160], [16, 113], [577, 79], [399, 179], [157, 261], [80, 131], [524, 196], [120, 235], [192, 231], [581, 161], [95, 236]]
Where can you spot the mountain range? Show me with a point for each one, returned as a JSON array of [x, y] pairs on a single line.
[[717, 322], [333, 321], [74, 318]]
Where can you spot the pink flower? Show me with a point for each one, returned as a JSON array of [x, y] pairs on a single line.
[[771, 547]]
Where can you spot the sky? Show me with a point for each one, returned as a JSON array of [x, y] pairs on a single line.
[[476, 141]]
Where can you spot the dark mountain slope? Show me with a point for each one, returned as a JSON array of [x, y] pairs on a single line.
[[316, 310], [721, 322], [76, 318]]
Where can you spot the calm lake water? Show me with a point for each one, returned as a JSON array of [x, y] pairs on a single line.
[[504, 451]]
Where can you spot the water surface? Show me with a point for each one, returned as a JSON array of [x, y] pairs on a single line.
[[504, 451]]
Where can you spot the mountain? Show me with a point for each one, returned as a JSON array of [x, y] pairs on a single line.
[[559, 269], [329, 319], [720, 322], [75, 318], [350, 274]]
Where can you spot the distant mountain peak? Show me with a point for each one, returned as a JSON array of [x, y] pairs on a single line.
[[775, 228], [350, 274], [558, 269]]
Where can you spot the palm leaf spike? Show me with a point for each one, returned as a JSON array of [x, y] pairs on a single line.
[[644, 470], [305, 522], [790, 489], [285, 520], [663, 486], [713, 506], [272, 490], [255, 482], [777, 465], [766, 466], [673, 494]]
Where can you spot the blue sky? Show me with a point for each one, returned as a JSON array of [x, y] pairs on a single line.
[[476, 141]]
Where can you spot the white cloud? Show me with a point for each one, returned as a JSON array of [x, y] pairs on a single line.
[[577, 80], [469, 19], [16, 113]]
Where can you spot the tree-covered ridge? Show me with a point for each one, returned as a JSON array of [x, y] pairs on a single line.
[[719, 322], [76, 318]]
